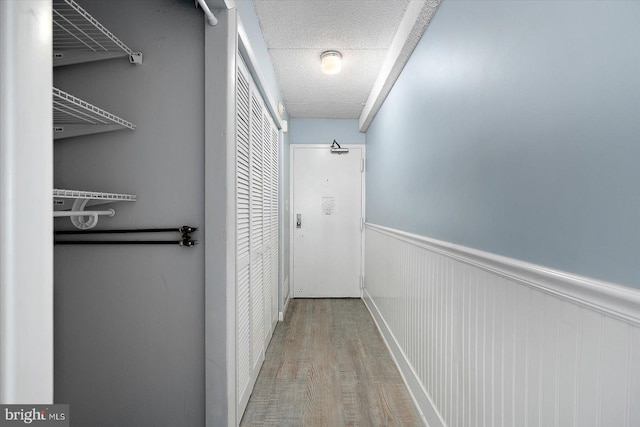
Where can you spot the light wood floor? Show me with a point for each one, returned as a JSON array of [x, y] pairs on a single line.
[[328, 366]]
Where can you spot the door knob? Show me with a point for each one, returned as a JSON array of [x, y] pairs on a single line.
[[298, 220]]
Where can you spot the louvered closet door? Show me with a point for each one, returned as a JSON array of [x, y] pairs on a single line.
[[266, 218], [249, 235], [273, 144], [256, 232], [256, 180], [270, 259], [243, 209]]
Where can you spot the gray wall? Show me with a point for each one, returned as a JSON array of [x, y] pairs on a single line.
[[514, 129], [129, 320], [324, 131]]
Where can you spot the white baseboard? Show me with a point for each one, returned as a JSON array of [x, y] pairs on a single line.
[[425, 407], [283, 313]]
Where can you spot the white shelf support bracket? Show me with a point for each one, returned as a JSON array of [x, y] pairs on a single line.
[[81, 219], [136, 58]]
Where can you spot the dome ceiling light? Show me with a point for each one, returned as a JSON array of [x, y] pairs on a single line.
[[331, 62]]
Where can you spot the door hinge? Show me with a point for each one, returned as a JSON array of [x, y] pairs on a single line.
[[361, 282], [361, 165], [361, 224]]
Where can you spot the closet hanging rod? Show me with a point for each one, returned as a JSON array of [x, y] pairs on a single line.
[[185, 229], [210, 16], [185, 243]]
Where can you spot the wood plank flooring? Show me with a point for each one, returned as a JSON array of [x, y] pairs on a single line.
[[327, 365]]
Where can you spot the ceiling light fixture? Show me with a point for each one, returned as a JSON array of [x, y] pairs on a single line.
[[331, 62]]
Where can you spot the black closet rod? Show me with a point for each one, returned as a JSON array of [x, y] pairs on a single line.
[[187, 242], [185, 229]]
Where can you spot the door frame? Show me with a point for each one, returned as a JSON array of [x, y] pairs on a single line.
[[292, 148]]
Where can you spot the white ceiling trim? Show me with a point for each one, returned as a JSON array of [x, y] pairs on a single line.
[[414, 23], [252, 63]]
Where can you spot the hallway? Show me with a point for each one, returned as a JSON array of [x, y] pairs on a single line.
[[327, 365], [454, 183]]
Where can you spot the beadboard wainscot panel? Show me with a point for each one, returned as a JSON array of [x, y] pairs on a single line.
[[485, 340]]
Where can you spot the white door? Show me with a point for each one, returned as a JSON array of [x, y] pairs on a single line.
[[327, 212]]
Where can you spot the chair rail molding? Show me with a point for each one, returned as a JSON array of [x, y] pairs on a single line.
[[614, 300]]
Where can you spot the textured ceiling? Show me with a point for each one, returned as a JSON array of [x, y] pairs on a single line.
[[298, 31]]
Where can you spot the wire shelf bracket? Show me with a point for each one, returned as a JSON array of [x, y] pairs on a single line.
[[73, 117], [78, 37], [72, 204]]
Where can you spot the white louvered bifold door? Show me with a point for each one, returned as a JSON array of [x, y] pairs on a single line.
[[266, 218], [243, 291], [257, 229], [273, 143], [256, 232], [270, 259]]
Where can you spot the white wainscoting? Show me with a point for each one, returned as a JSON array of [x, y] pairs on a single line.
[[484, 340]]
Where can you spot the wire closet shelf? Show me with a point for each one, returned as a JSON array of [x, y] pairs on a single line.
[[95, 197], [79, 37], [73, 116]]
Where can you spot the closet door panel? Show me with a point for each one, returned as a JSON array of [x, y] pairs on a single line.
[[243, 291], [273, 148], [257, 229], [256, 232], [266, 218], [244, 335]]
